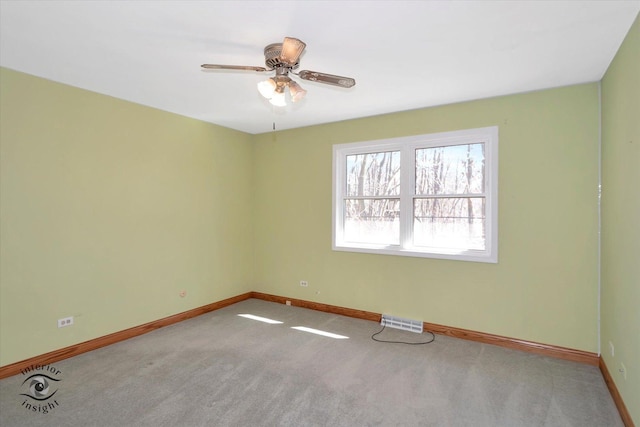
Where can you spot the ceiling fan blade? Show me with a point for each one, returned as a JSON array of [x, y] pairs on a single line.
[[315, 76], [232, 67], [291, 50]]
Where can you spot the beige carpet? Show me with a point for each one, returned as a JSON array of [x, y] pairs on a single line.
[[221, 369]]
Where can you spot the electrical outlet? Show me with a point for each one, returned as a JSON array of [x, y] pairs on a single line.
[[288, 302], [611, 349], [623, 371], [304, 283], [67, 321]]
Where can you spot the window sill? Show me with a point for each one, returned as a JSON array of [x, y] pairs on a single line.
[[447, 254]]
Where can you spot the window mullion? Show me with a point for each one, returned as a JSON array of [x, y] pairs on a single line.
[[407, 190]]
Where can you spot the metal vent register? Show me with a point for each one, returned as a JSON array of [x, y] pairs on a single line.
[[400, 323]]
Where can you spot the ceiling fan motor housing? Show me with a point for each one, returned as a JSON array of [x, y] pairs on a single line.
[[272, 57]]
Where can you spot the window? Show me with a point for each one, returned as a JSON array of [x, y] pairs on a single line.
[[430, 196]]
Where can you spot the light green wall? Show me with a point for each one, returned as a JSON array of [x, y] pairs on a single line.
[[620, 219], [545, 286], [108, 210]]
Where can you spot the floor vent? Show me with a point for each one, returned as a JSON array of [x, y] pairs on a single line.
[[400, 323]]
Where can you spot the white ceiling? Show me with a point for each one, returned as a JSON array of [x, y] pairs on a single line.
[[403, 54]]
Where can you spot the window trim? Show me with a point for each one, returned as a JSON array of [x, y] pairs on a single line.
[[488, 135]]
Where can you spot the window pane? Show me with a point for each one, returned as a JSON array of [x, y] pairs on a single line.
[[373, 174], [454, 169], [453, 223], [372, 221]]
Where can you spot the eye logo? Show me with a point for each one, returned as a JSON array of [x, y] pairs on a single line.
[[39, 387]]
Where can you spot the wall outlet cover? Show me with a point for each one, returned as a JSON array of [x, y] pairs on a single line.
[[67, 321]]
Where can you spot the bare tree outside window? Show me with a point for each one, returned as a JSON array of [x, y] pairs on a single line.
[[449, 202], [372, 205]]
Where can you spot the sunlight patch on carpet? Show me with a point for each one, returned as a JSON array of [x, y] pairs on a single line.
[[260, 319], [319, 332]]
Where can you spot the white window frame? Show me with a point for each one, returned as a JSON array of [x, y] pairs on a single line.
[[407, 147]]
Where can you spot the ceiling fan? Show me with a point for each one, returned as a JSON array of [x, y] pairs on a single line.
[[284, 58]]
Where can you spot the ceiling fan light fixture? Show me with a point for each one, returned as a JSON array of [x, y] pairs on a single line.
[[291, 50], [278, 99], [267, 88], [297, 92]]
